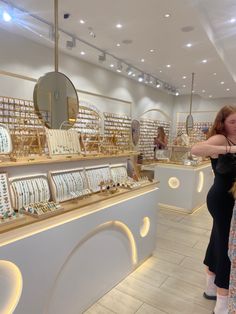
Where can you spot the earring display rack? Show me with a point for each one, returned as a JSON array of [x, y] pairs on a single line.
[[25, 127], [196, 135], [88, 121], [148, 131], [96, 175], [118, 127], [29, 190], [69, 184], [63, 142]]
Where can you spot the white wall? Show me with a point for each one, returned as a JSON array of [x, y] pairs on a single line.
[[22, 56], [202, 109]]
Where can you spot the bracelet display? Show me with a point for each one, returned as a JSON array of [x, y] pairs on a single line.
[[32, 189], [69, 184], [119, 173], [96, 175]]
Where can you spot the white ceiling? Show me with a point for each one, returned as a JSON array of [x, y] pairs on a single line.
[[212, 37]]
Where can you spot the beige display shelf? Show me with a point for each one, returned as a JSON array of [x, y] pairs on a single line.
[[72, 209], [58, 159]]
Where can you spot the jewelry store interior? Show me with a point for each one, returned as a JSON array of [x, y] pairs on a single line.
[[94, 218]]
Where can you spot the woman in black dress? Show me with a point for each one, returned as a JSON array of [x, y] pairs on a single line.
[[220, 203]]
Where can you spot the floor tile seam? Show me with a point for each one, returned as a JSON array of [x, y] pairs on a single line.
[[106, 307], [139, 307]]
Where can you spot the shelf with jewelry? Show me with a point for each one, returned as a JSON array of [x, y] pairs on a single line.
[[148, 131], [118, 127], [7, 213], [31, 195], [26, 129], [63, 142], [69, 184], [198, 134]]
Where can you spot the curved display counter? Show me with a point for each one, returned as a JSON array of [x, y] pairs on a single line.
[[68, 261], [182, 188]]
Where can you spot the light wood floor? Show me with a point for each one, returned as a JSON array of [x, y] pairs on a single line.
[[173, 279]]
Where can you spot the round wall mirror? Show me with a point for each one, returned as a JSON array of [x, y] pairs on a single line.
[[56, 100]]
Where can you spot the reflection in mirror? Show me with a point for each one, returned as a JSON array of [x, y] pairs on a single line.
[[56, 100], [189, 124]]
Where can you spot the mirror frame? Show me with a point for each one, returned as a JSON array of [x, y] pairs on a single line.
[[35, 96]]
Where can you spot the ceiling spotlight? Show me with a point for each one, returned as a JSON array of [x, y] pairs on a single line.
[[82, 22], [71, 43], [167, 15], [133, 74], [222, 82], [129, 70], [184, 77], [6, 16], [189, 45], [210, 96], [228, 89], [148, 79], [233, 20], [203, 91], [102, 57], [176, 93], [118, 45], [158, 84], [141, 77], [168, 65], [111, 65], [151, 50], [119, 25], [204, 61], [82, 53], [142, 60], [119, 67]]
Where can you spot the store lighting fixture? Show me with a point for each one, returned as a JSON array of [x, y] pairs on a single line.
[[72, 40], [119, 67], [141, 77], [129, 70], [227, 89], [6, 16], [71, 43], [102, 57]]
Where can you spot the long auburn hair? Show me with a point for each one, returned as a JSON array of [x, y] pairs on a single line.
[[218, 126], [161, 133]]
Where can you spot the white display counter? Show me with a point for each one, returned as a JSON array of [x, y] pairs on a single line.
[[182, 188], [67, 262]]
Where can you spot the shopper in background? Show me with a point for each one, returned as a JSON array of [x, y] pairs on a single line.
[[160, 141], [220, 202], [205, 131]]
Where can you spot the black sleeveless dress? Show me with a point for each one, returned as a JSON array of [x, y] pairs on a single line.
[[220, 203]]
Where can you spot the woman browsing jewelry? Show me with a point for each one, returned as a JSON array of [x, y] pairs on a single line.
[[221, 140]]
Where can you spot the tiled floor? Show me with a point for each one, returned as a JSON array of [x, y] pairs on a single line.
[[173, 279]]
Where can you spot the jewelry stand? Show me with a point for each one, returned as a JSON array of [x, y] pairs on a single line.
[[31, 196]]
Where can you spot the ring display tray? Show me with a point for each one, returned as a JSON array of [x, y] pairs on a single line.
[[49, 209]]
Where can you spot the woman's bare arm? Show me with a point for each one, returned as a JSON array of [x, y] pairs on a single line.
[[213, 147]]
